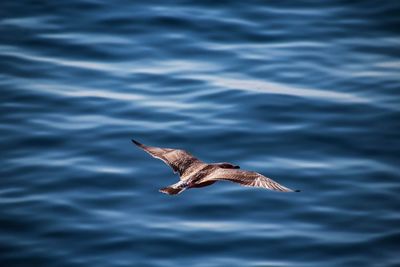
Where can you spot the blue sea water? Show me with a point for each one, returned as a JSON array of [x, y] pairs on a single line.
[[305, 92]]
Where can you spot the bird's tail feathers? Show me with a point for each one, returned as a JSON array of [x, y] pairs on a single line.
[[171, 190]]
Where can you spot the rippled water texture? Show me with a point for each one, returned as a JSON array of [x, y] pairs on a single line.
[[304, 92]]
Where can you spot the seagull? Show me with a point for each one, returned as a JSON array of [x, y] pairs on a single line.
[[195, 173]]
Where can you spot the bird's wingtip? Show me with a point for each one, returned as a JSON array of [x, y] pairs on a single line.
[[297, 190], [136, 142]]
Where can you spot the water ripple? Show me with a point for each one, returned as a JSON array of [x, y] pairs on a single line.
[[304, 93]]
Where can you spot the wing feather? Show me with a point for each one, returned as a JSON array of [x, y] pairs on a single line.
[[179, 160], [246, 178]]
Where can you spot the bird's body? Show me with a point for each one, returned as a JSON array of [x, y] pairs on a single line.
[[194, 173]]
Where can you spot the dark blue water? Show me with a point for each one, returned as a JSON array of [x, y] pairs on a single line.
[[304, 92]]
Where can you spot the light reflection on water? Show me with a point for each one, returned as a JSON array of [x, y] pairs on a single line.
[[305, 94]]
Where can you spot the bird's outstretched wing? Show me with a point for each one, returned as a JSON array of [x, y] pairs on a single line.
[[246, 178], [179, 160]]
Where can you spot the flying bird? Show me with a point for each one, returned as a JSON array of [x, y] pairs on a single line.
[[195, 173]]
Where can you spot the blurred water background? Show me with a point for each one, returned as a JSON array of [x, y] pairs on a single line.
[[305, 92]]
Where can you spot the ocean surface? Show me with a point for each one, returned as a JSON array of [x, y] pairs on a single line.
[[304, 92]]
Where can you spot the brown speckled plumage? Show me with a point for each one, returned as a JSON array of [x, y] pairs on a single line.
[[195, 173]]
